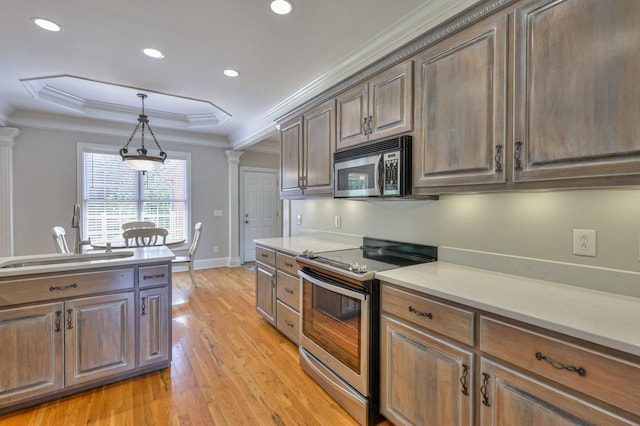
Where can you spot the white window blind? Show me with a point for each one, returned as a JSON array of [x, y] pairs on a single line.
[[114, 194]]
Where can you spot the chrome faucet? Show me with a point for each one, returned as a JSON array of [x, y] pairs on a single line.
[[75, 223]]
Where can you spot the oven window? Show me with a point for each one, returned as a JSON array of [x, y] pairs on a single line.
[[333, 321]]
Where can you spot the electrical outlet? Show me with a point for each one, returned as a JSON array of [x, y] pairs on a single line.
[[216, 249], [584, 242], [337, 221], [299, 218]]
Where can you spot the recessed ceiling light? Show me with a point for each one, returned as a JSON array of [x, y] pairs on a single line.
[[45, 24], [281, 7], [153, 53], [231, 73]]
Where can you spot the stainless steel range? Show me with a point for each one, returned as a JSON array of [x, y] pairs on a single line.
[[339, 343]]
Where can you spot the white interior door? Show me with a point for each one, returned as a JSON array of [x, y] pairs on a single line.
[[261, 209]]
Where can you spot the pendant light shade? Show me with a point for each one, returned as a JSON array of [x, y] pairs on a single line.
[[142, 161]]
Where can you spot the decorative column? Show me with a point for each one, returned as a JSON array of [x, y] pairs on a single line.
[[233, 159], [7, 136]]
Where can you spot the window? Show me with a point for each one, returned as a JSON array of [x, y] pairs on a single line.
[[113, 194]]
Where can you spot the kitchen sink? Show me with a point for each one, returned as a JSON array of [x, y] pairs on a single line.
[[54, 259]]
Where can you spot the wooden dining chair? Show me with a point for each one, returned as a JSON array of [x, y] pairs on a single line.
[[60, 239], [134, 225], [190, 257], [145, 237]]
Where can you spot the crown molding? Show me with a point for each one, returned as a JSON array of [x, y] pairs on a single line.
[[121, 130], [5, 112], [427, 17]]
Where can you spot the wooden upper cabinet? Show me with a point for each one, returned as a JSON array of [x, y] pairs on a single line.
[[576, 89], [378, 108], [291, 157], [461, 107], [318, 145]]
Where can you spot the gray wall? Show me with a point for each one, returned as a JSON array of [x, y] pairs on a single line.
[[529, 224], [45, 186]]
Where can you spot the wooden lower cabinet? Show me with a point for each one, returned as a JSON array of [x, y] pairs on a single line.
[[99, 337], [154, 313], [496, 371], [87, 334], [31, 350], [512, 398], [266, 292], [425, 380]]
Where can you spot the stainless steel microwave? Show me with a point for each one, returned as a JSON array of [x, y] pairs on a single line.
[[379, 169]]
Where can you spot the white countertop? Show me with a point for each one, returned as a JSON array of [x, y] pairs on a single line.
[[296, 245], [604, 318], [140, 255]]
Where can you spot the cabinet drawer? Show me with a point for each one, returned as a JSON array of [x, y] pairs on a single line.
[[602, 376], [149, 276], [28, 290], [454, 323], [265, 255], [287, 263], [288, 322], [288, 290]]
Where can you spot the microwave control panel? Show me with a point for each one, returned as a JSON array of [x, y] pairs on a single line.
[[391, 162]]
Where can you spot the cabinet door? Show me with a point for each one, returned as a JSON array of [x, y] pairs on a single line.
[[31, 352], [352, 109], [291, 157], [266, 292], [319, 141], [154, 310], [576, 89], [391, 101], [511, 398], [424, 379], [461, 90], [99, 337]]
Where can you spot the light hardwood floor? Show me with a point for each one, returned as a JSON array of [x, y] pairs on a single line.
[[229, 368]]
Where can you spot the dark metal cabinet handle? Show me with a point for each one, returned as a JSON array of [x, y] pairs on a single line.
[[289, 323], [369, 124], [364, 126], [58, 320], [63, 287], [580, 370], [463, 379], [483, 390], [143, 306], [153, 276], [273, 282], [498, 158], [264, 255], [69, 319], [419, 313], [288, 290], [288, 264], [517, 154]]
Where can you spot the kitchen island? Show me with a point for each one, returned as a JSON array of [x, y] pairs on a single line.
[[72, 323]]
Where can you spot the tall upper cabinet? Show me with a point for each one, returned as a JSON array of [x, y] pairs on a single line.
[[308, 142], [576, 89], [461, 91], [380, 107]]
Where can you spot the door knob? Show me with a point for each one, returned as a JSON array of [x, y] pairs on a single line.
[[246, 221], [246, 215]]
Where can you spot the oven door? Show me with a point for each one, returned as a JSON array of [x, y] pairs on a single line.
[[335, 328], [360, 177]]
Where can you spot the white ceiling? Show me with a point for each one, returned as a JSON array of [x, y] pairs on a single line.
[[283, 60]]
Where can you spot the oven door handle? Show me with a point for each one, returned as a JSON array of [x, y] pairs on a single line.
[[334, 288]]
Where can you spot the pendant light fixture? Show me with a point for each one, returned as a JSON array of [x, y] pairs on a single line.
[[142, 162]]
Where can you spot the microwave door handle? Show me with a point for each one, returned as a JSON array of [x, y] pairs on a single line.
[[380, 178]]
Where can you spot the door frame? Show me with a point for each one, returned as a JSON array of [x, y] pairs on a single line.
[[244, 169]]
